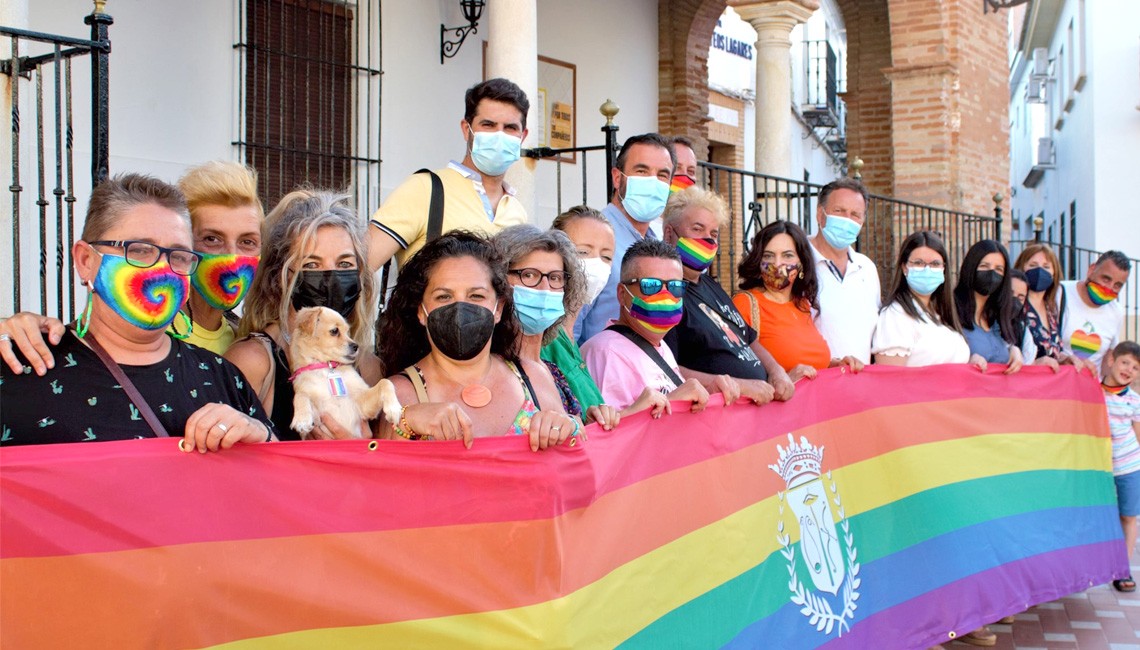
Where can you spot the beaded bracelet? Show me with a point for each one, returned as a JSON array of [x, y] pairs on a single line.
[[404, 430]]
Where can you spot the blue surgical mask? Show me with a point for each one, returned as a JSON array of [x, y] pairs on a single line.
[[925, 281], [537, 309], [493, 152], [840, 232], [645, 197]]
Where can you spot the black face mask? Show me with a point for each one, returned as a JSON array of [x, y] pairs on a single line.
[[461, 330], [987, 282], [337, 290], [1039, 279]]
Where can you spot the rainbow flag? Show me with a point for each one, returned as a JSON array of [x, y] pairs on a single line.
[[893, 508]]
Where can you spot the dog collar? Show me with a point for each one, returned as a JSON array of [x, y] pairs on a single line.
[[314, 366]]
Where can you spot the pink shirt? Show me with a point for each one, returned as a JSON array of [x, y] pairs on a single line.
[[622, 370]]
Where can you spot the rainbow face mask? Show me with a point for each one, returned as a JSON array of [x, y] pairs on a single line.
[[1099, 294], [696, 254], [658, 313], [680, 182], [146, 298], [223, 280]]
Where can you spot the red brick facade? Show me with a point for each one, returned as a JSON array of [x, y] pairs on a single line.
[[684, 32], [927, 94]]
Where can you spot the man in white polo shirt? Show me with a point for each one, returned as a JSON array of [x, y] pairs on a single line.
[[849, 294]]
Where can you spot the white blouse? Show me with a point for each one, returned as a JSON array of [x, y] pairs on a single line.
[[924, 342]]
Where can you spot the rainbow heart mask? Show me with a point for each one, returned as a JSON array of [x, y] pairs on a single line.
[[223, 280]]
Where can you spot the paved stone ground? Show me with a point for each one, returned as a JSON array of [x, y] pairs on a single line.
[[1098, 619]]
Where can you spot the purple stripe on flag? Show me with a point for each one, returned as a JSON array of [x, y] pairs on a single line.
[[984, 597]]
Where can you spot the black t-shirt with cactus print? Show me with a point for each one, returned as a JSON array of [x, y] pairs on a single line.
[[80, 401]]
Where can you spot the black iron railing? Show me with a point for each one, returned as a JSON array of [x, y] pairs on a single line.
[[756, 200], [1075, 262], [54, 138], [570, 155], [581, 160]]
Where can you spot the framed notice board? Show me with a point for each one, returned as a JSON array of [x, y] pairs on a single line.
[[557, 104]]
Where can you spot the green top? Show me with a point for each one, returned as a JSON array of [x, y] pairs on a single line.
[[563, 352]]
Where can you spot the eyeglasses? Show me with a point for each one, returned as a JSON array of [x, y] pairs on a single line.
[[144, 255], [533, 277], [920, 264], [653, 286]]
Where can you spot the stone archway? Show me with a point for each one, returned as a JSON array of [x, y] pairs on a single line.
[[684, 30]]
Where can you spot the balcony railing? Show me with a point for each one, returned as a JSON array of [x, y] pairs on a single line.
[[755, 200]]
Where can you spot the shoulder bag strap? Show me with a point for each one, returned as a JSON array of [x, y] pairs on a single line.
[[128, 387], [649, 350], [1061, 313], [414, 376], [753, 309], [434, 229], [435, 207], [517, 367], [267, 383]]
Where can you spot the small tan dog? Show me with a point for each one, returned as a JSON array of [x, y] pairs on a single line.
[[324, 379]]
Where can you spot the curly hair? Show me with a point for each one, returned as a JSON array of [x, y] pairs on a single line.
[[519, 241], [293, 228], [404, 340], [805, 289]]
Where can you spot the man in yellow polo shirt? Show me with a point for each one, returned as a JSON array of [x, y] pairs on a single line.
[[475, 196]]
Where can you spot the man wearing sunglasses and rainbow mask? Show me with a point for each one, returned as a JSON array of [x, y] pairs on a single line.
[[629, 356]]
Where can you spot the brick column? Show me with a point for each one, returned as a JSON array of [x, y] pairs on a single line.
[[774, 20], [512, 53]]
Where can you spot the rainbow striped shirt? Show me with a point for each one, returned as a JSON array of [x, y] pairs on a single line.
[[1123, 410]]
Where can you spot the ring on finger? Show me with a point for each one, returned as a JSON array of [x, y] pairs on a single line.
[[223, 427], [5, 337]]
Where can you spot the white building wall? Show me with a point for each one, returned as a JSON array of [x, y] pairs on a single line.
[[613, 43], [1114, 84], [1095, 138], [171, 103]]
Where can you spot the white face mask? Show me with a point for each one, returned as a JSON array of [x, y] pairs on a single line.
[[597, 273]]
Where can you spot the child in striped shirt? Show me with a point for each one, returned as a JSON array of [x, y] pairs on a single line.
[[1123, 417]]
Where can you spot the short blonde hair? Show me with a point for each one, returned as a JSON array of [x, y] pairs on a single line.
[[694, 197], [220, 182]]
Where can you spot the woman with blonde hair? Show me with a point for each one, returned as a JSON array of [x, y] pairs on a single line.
[[316, 253]]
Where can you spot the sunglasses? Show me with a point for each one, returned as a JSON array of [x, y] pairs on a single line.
[[653, 286]]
